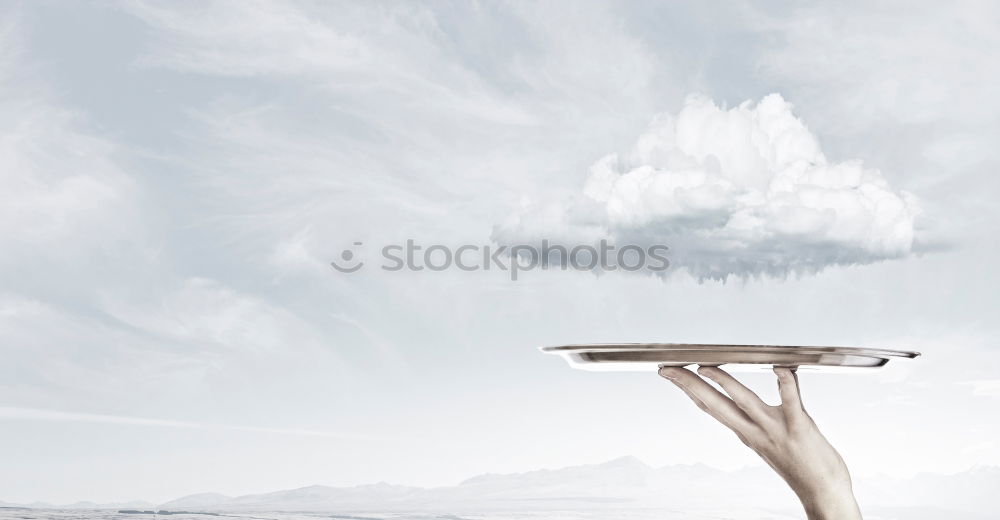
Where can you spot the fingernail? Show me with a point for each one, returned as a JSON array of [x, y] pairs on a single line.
[[669, 372]]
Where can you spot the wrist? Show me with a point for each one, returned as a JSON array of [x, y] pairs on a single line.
[[831, 504]]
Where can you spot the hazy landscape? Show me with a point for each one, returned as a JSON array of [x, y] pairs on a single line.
[[622, 488], [518, 515]]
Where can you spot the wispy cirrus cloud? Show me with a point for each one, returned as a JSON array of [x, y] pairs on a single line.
[[61, 182], [14, 413]]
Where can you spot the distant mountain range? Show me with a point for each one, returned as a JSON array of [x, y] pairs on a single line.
[[624, 482], [618, 484]]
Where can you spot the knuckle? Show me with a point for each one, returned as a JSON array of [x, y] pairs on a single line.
[[753, 443]]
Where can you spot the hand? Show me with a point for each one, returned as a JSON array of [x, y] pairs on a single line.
[[784, 436]]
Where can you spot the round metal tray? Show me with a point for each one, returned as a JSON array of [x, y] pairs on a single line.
[[650, 356]]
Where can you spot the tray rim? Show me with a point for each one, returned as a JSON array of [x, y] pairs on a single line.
[[731, 348]]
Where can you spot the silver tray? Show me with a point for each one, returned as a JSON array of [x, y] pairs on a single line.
[[650, 356]]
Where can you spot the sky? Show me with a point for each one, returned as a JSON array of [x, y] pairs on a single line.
[[178, 176]]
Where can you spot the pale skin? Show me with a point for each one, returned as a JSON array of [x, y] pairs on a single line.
[[783, 435]]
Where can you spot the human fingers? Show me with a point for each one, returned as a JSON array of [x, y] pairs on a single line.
[[745, 398], [788, 389], [713, 402]]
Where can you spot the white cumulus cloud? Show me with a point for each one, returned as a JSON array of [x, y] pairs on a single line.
[[744, 191]]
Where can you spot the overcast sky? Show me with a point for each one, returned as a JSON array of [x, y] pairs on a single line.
[[177, 176]]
